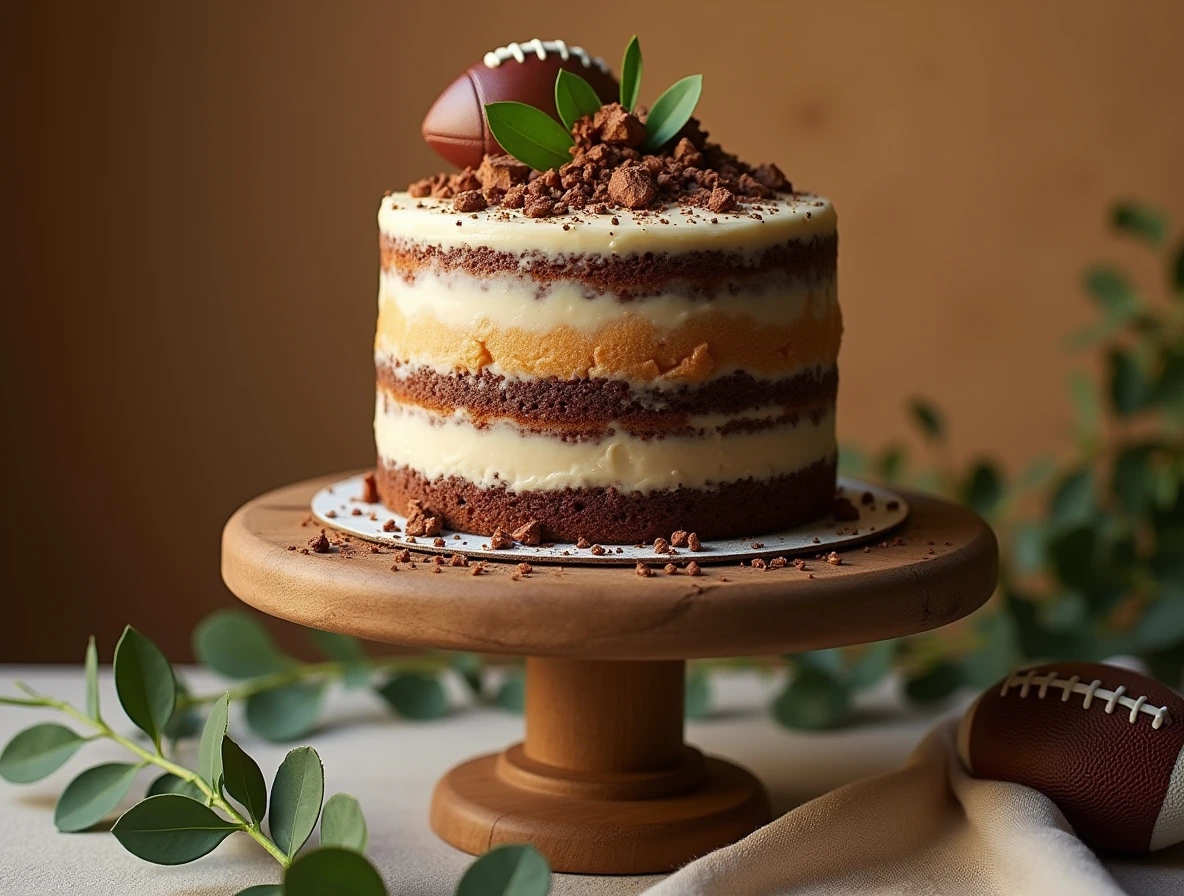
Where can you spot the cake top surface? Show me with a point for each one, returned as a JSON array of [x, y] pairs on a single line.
[[752, 227]]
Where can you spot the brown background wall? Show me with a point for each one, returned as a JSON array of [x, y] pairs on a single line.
[[190, 245]]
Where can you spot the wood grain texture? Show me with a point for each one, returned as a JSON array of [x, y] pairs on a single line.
[[944, 568]]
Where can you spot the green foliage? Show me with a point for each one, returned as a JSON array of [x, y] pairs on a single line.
[[91, 666], [332, 869], [244, 780], [528, 134], [508, 870], [697, 696], [631, 74], [296, 796], [170, 783], [170, 829], [90, 797], [236, 644], [574, 98], [145, 684], [415, 695], [209, 752], [37, 752], [342, 823], [511, 694], [287, 712], [671, 111]]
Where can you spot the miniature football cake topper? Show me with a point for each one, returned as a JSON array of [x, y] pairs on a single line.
[[455, 126], [1103, 743]]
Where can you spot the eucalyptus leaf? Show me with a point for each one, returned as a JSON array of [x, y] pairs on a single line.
[[1128, 387], [813, 700], [672, 110], [170, 783], [91, 663], [507, 870], [236, 644], [332, 869], [1087, 407], [531, 136], [574, 98], [1110, 288], [829, 661], [1073, 500], [1072, 554], [852, 461], [511, 695], [244, 780], [170, 829], [286, 713], [1178, 272], [37, 752], [928, 419], [209, 753], [631, 74], [469, 666], [1027, 550], [697, 694], [1133, 479], [983, 489], [296, 796], [348, 651], [186, 720], [1148, 224], [262, 890], [342, 823], [1168, 391], [1162, 624], [415, 695], [1036, 474], [892, 462], [872, 665], [938, 683], [145, 684], [94, 794], [997, 652]]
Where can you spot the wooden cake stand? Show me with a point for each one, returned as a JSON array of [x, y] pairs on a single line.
[[603, 782]]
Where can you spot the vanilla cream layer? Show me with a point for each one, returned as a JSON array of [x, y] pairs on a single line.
[[503, 455], [765, 223], [457, 299], [526, 337]]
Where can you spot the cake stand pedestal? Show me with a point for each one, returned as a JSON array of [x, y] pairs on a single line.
[[603, 782]]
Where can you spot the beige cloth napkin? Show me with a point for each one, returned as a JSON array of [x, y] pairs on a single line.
[[928, 828]]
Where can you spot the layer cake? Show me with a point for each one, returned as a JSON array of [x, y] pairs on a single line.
[[614, 376]]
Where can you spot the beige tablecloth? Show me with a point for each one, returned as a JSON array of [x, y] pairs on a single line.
[[922, 830]]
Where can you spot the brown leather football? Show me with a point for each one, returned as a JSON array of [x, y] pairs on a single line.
[[1103, 743], [455, 126]]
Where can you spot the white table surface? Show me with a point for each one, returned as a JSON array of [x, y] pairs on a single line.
[[391, 765]]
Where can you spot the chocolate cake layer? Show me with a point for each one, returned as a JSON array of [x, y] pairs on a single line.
[[591, 403], [740, 508], [704, 273]]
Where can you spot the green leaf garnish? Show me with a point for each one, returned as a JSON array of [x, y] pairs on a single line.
[[332, 869], [92, 679], [287, 712], [508, 870], [574, 98], [928, 418], [170, 783], [672, 110], [237, 645], [1148, 224], [209, 751], [342, 823], [171, 829], [296, 796], [244, 780], [145, 683], [415, 695], [531, 136], [37, 752], [631, 74], [92, 795]]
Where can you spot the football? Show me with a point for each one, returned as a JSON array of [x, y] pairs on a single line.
[[1103, 743], [455, 126]]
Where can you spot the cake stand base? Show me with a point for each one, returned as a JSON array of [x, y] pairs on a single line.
[[603, 783]]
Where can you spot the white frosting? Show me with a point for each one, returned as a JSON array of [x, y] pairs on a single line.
[[503, 455], [781, 220], [459, 300]]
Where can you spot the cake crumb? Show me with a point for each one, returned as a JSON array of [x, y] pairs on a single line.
[[438, 542], [843, 510], [778, 563], [403, 556], [867, 498], [422, 520], [799, 563], [693, 542], [670, 569], [331, 514], [598, 550], [525, 568], [834, 559], [390, 526], [357, 511], [679, 539], [893, 505], [458, 560], [693, 569], [758, 563], [642, 570], [320, 544], [370, 489], [478, 570], [661, 546], [500, 539], [529, 533], [757, 545], [583, 543]]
